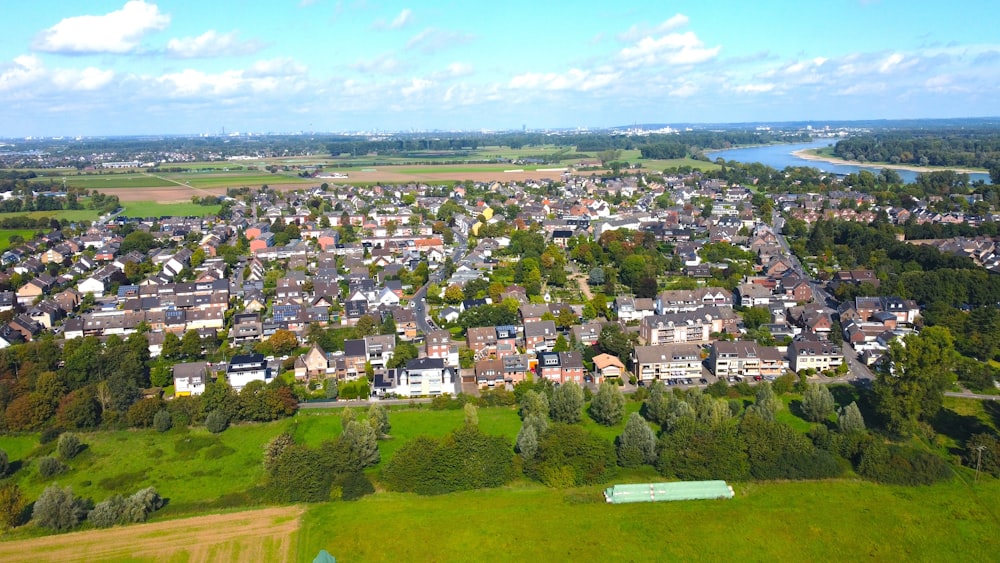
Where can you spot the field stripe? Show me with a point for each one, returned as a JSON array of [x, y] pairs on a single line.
[[264, 535]]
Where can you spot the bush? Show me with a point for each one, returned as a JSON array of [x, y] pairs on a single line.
[[140, 505], [141, 414], [49, 467], [465, 459], [162, 421], [108, 512], [216, 421], [330, 389], [900, 465], [274, 449], [301, 474], [569, 454], [608, 407], [4, 463], [69, 446], [49, 435], [57, 509], [12, 505], [355, 485]]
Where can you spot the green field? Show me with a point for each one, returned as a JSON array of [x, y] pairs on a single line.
[[157, 209], [204, 473], [5, 234], [71, 215], [108, 181], [800, 521]]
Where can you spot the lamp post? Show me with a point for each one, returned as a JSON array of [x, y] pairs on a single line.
[[979, 459]]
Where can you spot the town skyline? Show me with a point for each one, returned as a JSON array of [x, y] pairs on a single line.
[[138, 67]]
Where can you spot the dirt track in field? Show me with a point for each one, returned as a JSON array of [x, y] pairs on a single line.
[[254, 535], [180, 193]]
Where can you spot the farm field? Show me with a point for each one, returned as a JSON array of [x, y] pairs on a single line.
[[158, 209], [72, 215], [254, 535]]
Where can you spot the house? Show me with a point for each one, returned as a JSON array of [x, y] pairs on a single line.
[[489, 373], [540, 335], [314, 363], [607, 366], [632, 308], [379, 348], [437, 344], [667, 361], [516, 367], [744, 359], [560, 367], [422, 377], [677, 300], [810, 352], [482, 340], [190, 379], [244, 368]]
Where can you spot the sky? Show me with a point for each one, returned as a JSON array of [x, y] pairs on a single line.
[[138, 67]]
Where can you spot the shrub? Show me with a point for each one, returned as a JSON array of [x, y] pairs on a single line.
[[900, 465], [274, 449], [141, 414], [355, 485], [4, 463], [378, 418], [108, 512], [637, 443], [69, 446], [49, 435], [162, 421], [141, 504], [330, 389], [57, 509], [49, 467], [300, 474], [589, 458], [216, 421], [465, 459], [12, 505], [567, 403]]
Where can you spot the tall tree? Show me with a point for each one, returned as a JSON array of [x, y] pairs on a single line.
[[910, 389], [817, 402], [608, 406], [849, 419], [567, 403], [637, 443]]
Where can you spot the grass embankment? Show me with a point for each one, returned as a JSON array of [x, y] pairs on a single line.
[[26, 234]]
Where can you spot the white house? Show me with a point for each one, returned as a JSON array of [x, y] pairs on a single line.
[[421, 377], [245, 368], [91, 285], [189, 378]]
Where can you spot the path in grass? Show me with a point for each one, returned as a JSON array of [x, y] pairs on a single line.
[[255, 535]]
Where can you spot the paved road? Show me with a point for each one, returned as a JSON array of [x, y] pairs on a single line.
[[424, 323], [971, 395]]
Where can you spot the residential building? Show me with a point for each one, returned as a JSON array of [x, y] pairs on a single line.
[[667, 361]]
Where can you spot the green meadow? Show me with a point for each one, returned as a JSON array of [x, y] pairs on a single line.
[[157, 209], [5, 234]]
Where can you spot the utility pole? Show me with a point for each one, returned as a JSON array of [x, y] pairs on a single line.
[[979, 459]]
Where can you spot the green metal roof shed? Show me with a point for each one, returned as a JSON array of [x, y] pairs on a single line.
[[655, 492]]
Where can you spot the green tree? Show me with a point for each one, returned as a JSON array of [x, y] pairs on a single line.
[[4, 463], [636, 444], [527, 441], [560, 345], [216, 421], [471, 414], [171, 348], [404, 352], [57, 509], [567, 403], [911, 388], [756, 316], [849, 419], [817, 402], [191, 345], [283, 342], [766, 402], [359, 446], [614, 340], [533, 402], [12, 505], [378, 418], [608, 406], [162, 421]]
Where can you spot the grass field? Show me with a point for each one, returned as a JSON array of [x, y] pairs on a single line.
[[255, 535], [157, 209], [26, 234], [71, 215], [199, 473], [805, 521], [107, 181]]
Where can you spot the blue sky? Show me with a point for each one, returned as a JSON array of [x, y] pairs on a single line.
[[159, 66]]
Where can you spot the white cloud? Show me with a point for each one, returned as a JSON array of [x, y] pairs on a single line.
[[431, 40], [639, 31], [890, 63], [573, 79], [383, 64], [211, 44], [459, 69], [22, 71], [263, 77], [416, 86], [89, 79], [685, 90], [400, 21], [672, 49], [404, 18], [754, 88], [118, 32]]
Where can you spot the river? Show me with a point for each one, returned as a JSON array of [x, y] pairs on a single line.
[[780, 157]]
